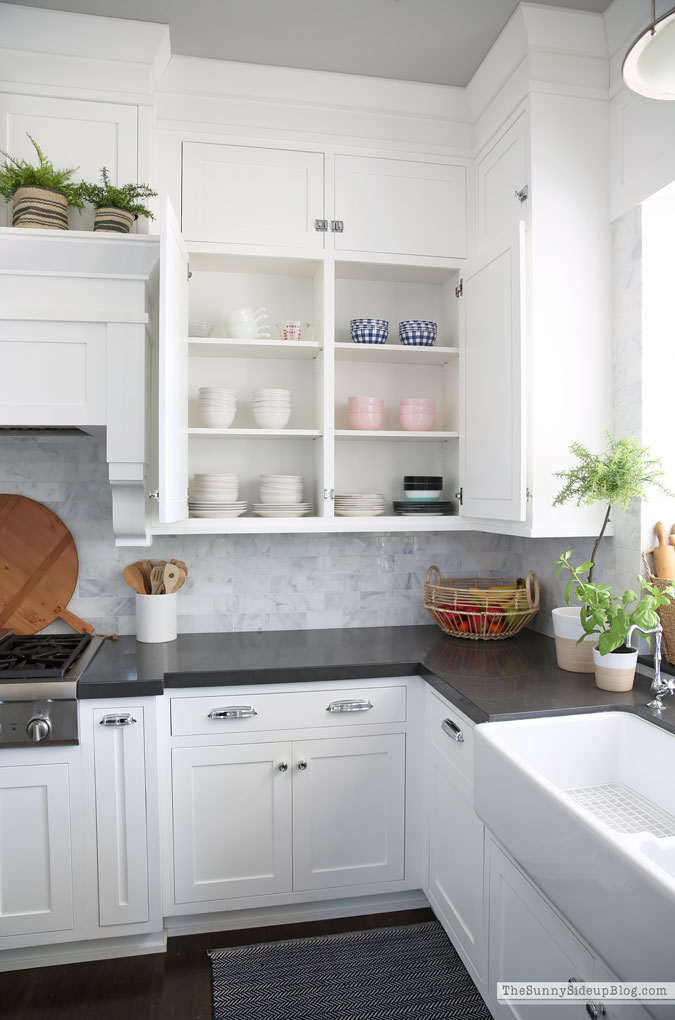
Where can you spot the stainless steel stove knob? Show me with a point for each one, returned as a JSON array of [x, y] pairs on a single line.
[[38, 729]]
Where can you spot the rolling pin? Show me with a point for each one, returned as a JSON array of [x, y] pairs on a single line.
[[664, 554]]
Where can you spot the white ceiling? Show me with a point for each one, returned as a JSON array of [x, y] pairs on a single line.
[[438, 41]]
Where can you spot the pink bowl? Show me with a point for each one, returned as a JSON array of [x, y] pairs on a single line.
[[364, 420], [417, 402], [365, 402], [411, 422]]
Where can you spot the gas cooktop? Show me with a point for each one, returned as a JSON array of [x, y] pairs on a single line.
[[39, 656]]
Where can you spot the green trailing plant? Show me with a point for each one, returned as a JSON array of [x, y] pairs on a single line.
[[16, 173], [106, 195], [609, 615], [623, 473]]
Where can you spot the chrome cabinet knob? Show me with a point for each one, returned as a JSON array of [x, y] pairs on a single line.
[[302, 765], [38, 729], [283, 766]]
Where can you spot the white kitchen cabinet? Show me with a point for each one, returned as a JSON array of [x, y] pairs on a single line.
[[492, 469], [232, 825], [36, 862], [121, 815], [348, 811], [454, 884], [73, 133], [247, 195], [400, 207], [529, 942], [502, 183]]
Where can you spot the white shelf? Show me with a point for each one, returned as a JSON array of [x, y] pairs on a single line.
[[258, 433], [395, 354], [307, 525], [378, 434], [224, 347]]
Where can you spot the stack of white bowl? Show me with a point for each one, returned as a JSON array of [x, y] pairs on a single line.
[[271, 408], [281, 496], [217, 406], [215, 495]]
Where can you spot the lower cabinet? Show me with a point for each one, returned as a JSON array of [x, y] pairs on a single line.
[[277, 817], [36, 863]]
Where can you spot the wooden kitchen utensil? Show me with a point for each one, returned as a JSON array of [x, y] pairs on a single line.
[[181, 564], [133, 575], [671, 536], [146, 569], [171, 578], [38, 567], [664, 555], [157, 578]]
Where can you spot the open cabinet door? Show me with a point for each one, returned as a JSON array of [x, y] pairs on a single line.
[[173, 369], [492, 387]]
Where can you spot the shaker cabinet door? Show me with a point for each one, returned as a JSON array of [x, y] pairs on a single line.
[[400, 207], [492, 382], [238, 194], [502, 176]]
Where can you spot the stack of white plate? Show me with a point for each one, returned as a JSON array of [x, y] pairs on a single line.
[[281, 496], [215, 495], [217, 406], [272, 408], [359, 504]]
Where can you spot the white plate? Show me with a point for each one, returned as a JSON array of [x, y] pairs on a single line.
[[217, 513], [281, 506], [358, 513], [282, 513]]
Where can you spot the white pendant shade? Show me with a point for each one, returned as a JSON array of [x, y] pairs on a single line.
[[649, 66]]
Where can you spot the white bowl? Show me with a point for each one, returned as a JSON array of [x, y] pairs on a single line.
[[271, 419], [218, 419]]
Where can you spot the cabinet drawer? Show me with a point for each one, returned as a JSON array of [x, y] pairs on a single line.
[[450, 731], [250, 713]]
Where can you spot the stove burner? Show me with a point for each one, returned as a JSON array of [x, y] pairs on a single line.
[[46, 655]]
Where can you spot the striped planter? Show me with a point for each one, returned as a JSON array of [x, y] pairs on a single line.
[[113, 221], [33, 206]]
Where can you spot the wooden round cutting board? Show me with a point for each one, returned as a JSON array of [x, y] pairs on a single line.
[[38, 567]]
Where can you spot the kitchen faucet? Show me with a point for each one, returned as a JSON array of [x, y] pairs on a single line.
[[660, 687]]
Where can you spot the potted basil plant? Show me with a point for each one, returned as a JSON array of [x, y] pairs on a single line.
[[116, 207], [611, 616], [40, 194]]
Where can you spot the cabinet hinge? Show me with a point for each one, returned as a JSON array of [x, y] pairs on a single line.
[[154, 494], [528, 495], [189, 272], [459, 290], [337, 226], [523, 194], [459, 496], [321, 226]]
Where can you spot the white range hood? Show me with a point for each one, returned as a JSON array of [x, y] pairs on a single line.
[[76, 322]]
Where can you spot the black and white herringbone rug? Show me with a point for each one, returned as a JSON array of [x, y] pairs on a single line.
[[401, 973]]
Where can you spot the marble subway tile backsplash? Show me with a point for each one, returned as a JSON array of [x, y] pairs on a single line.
[[262, 582]]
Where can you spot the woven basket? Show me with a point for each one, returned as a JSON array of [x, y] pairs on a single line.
[[481, 608], [110, 220], [666, 613], [33, 206]]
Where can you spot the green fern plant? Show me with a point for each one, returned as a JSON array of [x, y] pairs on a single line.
[[106, 195], [623, 473], [16, 173]]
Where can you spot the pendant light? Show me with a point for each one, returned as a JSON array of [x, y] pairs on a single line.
[[649, 65]]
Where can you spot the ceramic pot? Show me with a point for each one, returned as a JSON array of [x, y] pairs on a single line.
[[156, 618], [33, 206], [567, 629], [109, 220], [616, 670]]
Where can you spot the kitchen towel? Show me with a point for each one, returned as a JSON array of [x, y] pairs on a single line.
[[398, 973]]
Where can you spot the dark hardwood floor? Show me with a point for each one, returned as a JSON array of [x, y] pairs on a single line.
[[169, 986]]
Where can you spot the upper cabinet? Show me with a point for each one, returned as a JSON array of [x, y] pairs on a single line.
[[502, 183], [400, 207], [245, 195], [258, 196]]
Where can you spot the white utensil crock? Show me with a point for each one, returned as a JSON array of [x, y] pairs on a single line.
[[156, 618]]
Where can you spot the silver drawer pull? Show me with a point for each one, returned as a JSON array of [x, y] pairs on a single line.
[[359, 705], [122, 719], [453, 730], [234, 712]]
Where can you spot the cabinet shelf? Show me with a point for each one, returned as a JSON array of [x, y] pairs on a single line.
[[378, 434], [307, 525], [258, 433], [394, 354], [225, 347]]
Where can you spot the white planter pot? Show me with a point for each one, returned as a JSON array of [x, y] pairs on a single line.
[[156, 618], [615, 671], [567, 629]]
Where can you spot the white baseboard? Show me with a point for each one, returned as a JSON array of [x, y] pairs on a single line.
[[61, 953], [293, 913]]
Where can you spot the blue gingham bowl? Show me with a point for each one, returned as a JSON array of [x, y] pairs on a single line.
[[417, 332], [369, 331]]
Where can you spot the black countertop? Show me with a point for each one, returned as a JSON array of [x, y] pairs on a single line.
[[487, 680]]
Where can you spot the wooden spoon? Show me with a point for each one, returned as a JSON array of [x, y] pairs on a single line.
[[181, 564], [172, 576], [157, 579], [146, 568], [133, 575]]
